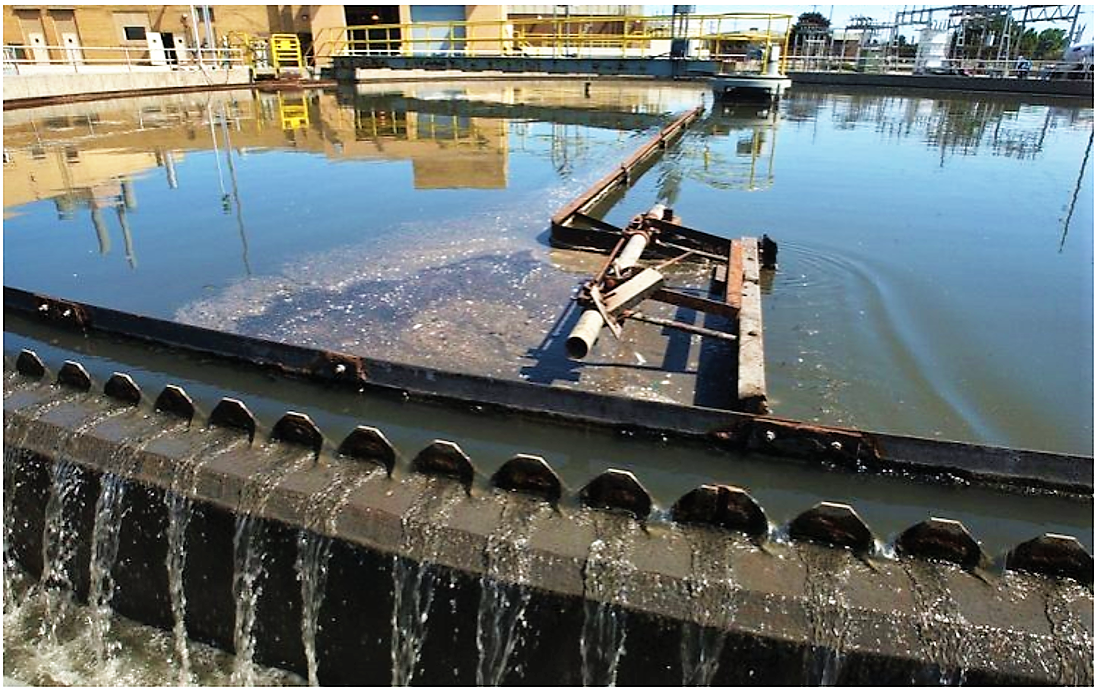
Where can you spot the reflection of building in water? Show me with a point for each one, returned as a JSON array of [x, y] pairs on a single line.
[[748, 164], [74, 180], [446, 151], [954, 125]]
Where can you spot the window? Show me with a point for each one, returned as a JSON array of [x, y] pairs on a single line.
[[132, 27]]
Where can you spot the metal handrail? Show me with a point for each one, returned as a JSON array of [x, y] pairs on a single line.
[[51, 58], [602, 36]]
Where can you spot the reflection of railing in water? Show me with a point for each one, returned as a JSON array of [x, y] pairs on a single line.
[[954, 125]]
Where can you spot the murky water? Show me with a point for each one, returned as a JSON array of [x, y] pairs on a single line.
[[935, 263]]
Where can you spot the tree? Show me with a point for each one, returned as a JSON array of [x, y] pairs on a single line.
[[808, 23]]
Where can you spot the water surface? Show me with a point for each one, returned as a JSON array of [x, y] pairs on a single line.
[[936, 251]]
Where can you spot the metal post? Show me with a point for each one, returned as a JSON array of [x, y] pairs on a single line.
[[197, 37], [209, 32]]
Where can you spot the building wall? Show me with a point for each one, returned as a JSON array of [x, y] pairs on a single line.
[[101, 25]]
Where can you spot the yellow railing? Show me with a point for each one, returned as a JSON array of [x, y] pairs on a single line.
[[726, 36]]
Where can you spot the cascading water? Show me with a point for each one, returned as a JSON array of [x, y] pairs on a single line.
[[314, 550], [249, 546], [1073, 643], [58, 545], [179, 510], [104, 551], [413, 582], [607, 578], [827, 574], [502, 596], [939, 622], [712, 594]]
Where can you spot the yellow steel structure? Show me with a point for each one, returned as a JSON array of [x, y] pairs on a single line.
[[742, 38], [285, 52]]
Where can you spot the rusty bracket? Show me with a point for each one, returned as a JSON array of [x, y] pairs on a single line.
[[61, 311]]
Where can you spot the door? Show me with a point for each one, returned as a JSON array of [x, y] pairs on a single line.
[[73, 54], [38, 51], [168, 40], [156, 54], [182, 54]]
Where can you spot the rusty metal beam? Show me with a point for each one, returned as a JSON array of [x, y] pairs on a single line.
[[623, 176], [867, 452], [752, 388]]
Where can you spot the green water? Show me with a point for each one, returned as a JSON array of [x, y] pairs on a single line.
[[935, 252]]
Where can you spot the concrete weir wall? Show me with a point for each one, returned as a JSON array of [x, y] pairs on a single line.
[[44, 85], [436, 576]]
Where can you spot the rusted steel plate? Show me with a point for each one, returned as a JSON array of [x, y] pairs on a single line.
[[733, 276], [687, 300], [752, 387]]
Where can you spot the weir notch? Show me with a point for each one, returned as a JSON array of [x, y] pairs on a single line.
[[835, 524], [121, 386], [232, 413], [175, 401], [617, 490], [72, 374], [444, 458], [369, 444], [724, 506], [29, 364], [298, 428], [1053, 555], [529, 474], [940, 539]]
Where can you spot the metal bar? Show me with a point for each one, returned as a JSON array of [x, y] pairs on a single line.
[[683, 326], [752, 388], [684, 300], [622, 175], [733, 276]]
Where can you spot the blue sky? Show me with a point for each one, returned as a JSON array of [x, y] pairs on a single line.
[[841, 13]]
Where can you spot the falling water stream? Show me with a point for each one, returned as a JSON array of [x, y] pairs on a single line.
[[180, 507], [940, 623], [713, 598], [1072, 641], [607, 583], [314, 549], [413, 580], [249, 547], [827, 573], [503, 597]]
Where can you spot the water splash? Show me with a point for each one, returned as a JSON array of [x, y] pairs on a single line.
[[414, 581], [179, 511], [606, 581], [143, 659], [104, 551], [827, 573], [58, 545], [713, 598], [1072, 642], [939, 622], [249, 547], [502, 595], [314, 550]]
